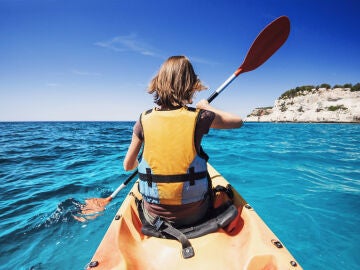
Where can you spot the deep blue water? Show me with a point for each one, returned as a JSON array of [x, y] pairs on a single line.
[[302, 179]]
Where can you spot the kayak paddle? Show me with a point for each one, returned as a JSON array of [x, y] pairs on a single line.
[[95, 205], [270, 39]]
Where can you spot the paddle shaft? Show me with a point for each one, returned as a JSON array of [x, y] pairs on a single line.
[[113, 195], [221, 88]]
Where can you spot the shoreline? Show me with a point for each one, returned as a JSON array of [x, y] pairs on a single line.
[[133, 121]]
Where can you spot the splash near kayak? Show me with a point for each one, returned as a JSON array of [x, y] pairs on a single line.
[[245, 242]]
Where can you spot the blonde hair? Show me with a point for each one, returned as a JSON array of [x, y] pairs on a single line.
[[175, 83]]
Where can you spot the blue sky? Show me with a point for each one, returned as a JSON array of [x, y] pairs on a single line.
[[92, 60]]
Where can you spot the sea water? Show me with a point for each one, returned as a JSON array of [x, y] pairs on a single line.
[[302, 179]]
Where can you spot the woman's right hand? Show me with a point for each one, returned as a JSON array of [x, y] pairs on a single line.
[[204, 105]]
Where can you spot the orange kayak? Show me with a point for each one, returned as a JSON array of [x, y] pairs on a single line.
[[245, 243]]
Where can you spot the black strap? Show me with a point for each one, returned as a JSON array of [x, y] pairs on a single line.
[[163, 229], [157, 178], [163, 226], [192, 176], [148, 111], [149, 178]]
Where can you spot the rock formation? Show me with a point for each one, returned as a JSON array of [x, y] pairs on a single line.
[[312, 105]]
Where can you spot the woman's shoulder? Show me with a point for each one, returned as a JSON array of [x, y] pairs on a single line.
[[205, 120], [203, 114], [138, 130], [207, 115]]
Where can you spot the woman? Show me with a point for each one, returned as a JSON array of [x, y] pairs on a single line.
[[173, 168]]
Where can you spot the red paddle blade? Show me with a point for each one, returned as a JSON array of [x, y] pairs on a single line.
[[270, 39], [94, 205]]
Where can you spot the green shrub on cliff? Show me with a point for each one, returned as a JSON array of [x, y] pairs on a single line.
[[346, 85], [324, 85], [355, 87], [298, 91], [302, 90], [336, 108]]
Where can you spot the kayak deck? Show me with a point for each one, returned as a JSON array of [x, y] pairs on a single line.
[[246, 243]]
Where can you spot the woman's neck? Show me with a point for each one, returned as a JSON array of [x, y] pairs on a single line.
[[166, 108]]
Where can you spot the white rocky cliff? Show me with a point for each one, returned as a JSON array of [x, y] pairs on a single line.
[[312, 105]]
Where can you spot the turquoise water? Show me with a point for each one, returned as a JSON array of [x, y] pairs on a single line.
[[302, 179]]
